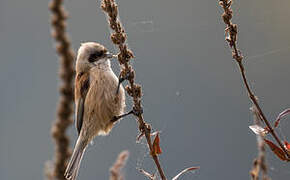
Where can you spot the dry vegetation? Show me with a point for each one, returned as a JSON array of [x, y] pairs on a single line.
[[125, 55], [281, 150], [64, 111]]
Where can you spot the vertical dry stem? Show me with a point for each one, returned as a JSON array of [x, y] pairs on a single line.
[[134, 90], [259, 164], [115, 170], [64, 112], [231, 38]]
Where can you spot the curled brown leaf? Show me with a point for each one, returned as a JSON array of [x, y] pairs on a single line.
[[277, 151], [184, 171], [280, 116]]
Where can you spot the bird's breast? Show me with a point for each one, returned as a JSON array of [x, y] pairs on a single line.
[[102, 103]]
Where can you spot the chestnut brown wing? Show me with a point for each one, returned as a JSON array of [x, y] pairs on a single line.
[[82, 84]]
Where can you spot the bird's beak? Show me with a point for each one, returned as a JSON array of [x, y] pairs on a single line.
[[108, 55]]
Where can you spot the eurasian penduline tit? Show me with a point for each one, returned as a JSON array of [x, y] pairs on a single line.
[[97, 106]]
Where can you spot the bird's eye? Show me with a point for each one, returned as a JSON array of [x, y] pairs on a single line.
[[95, 56]]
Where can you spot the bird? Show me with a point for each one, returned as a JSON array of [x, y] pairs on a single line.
[[97, 106]]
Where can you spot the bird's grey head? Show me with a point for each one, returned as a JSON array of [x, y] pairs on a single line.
[[90, 55]]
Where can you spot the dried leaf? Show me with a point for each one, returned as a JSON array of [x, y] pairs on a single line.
[[287, 145], [258, 130], [147, 174], [139, 137], [156, 145], [278, 151], [282, 114], [154, 133], [184, 171]]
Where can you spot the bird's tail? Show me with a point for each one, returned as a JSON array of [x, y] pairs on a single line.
[[73, 166]]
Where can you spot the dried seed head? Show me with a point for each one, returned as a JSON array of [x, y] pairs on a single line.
[[131, 73], [129, 90], [227, 17], [137, 90], [118, 38]]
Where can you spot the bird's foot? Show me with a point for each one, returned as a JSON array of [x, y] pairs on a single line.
[[116, 118], [121, 79]]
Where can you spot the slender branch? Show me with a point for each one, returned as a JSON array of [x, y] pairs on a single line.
[[134, 90], [254, 100], [231, 38], [64, 112]]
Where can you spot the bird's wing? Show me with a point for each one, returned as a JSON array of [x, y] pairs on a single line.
[[82, 84]]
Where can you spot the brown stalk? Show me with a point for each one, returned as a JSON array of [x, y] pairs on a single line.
[[115, 170], [64, 112], [134, 90], [231, 38], [259, 164]]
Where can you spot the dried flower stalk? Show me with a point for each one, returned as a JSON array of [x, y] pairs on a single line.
[[231, 37], [134, 90], [259, 164], [64, 112], [115, 170]]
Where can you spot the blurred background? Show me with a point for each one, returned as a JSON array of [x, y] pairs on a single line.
[[192, 88]]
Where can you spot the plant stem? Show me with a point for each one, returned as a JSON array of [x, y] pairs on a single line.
[[231, 31], [118, 37]]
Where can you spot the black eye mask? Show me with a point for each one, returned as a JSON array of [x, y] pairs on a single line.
[[96, 56]]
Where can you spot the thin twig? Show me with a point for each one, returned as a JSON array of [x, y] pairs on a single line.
[[134, 90], [231, 38], [64, 112], [115, 170]]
